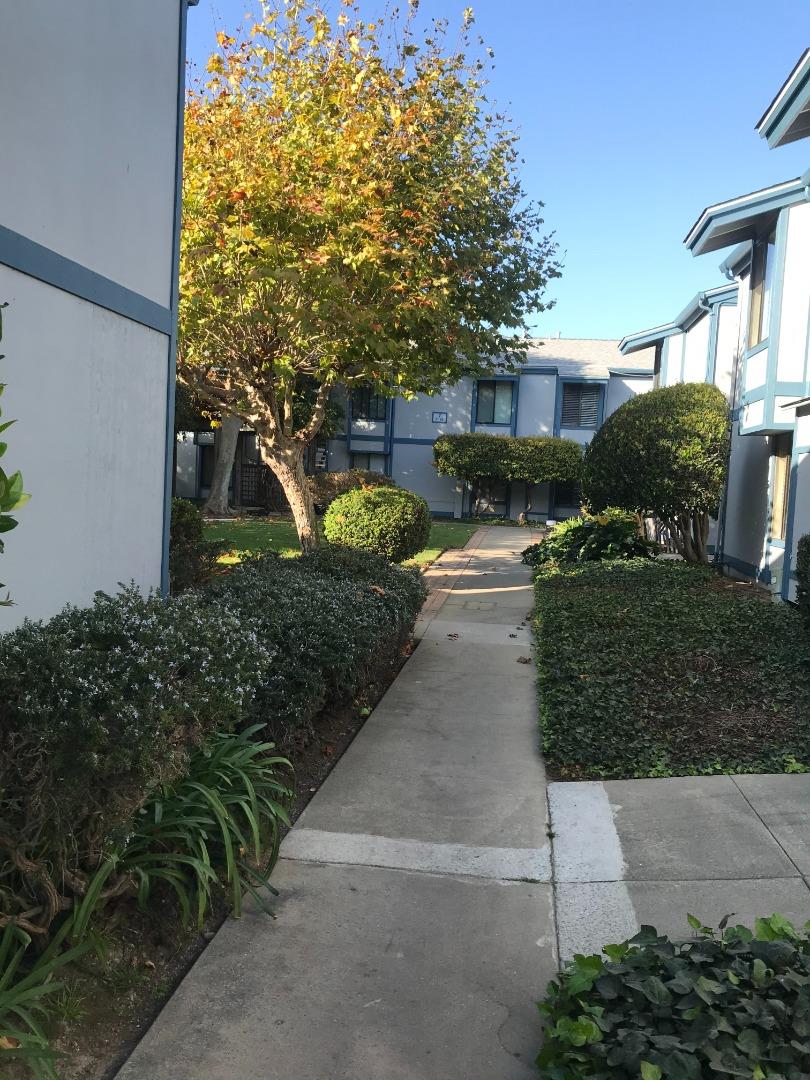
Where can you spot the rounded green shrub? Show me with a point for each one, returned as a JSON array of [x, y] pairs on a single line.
[[388, 521], [664, 454]]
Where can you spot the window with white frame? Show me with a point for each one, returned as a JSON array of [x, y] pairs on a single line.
[[494, 401], [580, 405]]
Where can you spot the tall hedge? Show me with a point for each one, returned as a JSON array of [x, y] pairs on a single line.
[[532, 459], [664, 454], [803, 577]]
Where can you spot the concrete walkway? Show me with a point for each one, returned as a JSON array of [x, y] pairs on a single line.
[[414, 929], [628, 852]]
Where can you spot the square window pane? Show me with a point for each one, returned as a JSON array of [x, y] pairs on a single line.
[[503, 403]]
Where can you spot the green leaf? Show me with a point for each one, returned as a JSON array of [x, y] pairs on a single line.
[[650, 1072]]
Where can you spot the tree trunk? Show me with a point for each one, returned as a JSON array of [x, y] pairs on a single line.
[[287, 463], [216, 504]]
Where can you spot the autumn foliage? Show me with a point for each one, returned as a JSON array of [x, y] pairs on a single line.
[[352, 215]]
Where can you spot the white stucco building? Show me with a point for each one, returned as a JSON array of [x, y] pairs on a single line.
[[566, 387], [89, 222], [752, 338]]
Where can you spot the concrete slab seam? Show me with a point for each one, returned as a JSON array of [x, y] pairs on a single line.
[[782, 847], [364, 849]]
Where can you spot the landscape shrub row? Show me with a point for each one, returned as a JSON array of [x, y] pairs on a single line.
[[651, 668], [101, 707], [803, 577]]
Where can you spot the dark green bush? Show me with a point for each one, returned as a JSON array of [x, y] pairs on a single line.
[[803, 577], [387, 521], [192, 558], [534, 460], [650, 668], [663, 454], [332, 617], [727, 1003], [328, 486], [97, 707], [591, 538]]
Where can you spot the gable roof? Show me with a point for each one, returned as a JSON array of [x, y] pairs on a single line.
[[697, 307], [787, 118], [595, 358]]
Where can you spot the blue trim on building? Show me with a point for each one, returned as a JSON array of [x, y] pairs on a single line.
[[776, 122], [747, 569], [36, 261], [389, 460], [724, 224], [169, 476], [404, 439]]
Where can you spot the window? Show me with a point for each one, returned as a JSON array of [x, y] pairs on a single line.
[[369, 462], [494, 404], [782, 446], [759, 309], [567, 496], [580, 405], [366, 405]]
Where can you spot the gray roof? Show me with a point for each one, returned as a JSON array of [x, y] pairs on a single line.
[[594, 357]]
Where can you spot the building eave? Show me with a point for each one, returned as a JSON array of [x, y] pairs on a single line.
[[644, 338], [787, 118], [740, 219]]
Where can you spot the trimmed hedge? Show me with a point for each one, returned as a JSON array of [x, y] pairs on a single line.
[[387, 521], [534, 460], [102, 705], [651, 668], [727, 1003], [328, 486], [803, 577], [592, 538]]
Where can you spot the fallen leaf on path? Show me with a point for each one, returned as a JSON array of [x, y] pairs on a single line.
[[524, 659], [453, 637]]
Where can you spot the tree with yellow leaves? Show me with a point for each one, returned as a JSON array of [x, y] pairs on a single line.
[[352, 215]]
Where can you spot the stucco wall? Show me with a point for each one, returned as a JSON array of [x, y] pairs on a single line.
[[88, 391], [747, 506], [794, 307], [89, 144], [89, 165]]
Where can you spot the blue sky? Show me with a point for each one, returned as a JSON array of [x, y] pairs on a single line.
[[633, 117]]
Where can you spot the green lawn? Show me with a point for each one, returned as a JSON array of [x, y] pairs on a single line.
[[278, 534]]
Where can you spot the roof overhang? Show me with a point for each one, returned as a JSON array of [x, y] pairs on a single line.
[[787, 118], [644, 338], [697, 307], [743, 218], [632, 373]]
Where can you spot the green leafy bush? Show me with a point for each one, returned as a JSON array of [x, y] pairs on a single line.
[[803, 577], [101, 707], [331, 617], [664, 454], [727, 1003], [387, 521], [328, 486], [12, 496], [591, 538], [192, 558], [650, 668], [97, 707], [194, 834], [534, 460]]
